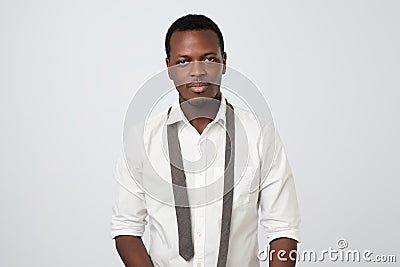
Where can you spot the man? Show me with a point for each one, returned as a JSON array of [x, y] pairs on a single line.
[[202, 229]]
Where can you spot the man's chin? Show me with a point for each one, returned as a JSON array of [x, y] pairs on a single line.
[[200, 101]]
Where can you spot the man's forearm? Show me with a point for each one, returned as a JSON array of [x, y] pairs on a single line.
[[281, 252], [132, 251]]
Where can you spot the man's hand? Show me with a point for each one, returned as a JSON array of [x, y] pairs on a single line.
[[280, 252], [132, 251]]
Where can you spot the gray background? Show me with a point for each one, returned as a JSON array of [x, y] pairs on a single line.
[[68, 69]]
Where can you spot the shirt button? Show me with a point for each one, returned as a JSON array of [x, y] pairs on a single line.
[[198, 264], [199, 234]]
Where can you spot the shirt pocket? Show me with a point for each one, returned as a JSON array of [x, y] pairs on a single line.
[[241, 193], [242, 185]]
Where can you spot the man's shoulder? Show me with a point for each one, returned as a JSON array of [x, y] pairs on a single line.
[[156, 121], [251, 120], [146, 126]]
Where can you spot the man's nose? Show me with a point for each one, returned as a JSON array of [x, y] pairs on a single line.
[[197, 69]]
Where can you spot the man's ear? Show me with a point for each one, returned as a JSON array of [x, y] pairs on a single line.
[[224, 56], [168, 64]]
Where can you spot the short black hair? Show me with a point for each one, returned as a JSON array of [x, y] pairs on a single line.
[[192, 22]]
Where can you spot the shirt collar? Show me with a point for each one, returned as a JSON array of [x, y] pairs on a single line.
[[176, 114]]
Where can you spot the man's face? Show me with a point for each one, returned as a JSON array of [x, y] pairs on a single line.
[[196, 64]]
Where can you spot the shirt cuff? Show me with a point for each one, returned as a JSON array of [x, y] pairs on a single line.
[[292, 233], [133, 232]]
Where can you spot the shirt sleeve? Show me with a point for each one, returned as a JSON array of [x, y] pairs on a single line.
[[280, 215], [129, 208]]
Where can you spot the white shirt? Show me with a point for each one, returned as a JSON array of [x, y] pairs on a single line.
[[265, 185]]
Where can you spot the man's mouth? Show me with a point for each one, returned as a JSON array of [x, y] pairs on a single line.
[[197, 87]]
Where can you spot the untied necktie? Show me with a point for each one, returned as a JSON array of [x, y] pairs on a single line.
[[186, 249]]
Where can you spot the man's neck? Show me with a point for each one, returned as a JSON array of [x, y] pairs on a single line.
[[201, 114]]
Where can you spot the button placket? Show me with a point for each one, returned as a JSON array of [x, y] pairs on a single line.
[[199, 240], [200, 219]]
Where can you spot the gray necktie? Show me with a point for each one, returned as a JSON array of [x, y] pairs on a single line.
[[186, 249]]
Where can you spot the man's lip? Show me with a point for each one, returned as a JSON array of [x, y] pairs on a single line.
[[197, 87], [197, 84]]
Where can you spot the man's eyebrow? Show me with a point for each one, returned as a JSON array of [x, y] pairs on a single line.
[[205, 54], [182, 56]]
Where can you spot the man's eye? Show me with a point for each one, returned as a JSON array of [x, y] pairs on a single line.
[[182, 62], [210, 59]]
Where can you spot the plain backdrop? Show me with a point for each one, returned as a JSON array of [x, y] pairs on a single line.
[[68, 69]]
